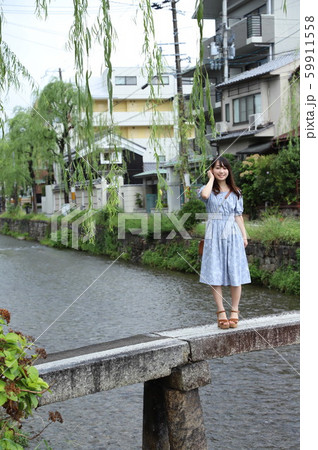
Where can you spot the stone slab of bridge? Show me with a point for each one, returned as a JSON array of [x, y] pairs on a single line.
[[172, 365]]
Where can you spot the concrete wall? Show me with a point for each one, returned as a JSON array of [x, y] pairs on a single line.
[[287, 29], [127, 197]]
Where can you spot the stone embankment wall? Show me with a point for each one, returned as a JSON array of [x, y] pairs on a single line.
[[272, 257], [36, 229], [269, 257]]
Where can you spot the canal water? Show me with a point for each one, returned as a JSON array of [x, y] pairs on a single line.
[[67, 299]]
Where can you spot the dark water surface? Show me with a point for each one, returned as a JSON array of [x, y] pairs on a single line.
[[68, 299]]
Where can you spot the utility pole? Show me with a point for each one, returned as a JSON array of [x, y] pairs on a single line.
[[181, 108], [177, 58], [181, 116], [225, 40]]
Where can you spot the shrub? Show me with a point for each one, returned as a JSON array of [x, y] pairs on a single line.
[[192, 207], [20, 384], [263, 182], [181, 256]]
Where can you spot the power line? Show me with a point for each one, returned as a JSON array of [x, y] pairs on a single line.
[[33, 42]]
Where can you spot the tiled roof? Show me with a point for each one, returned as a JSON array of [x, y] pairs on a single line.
[[150, 166], [263, 69]]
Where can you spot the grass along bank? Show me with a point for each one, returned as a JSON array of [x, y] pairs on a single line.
[[267, 231]]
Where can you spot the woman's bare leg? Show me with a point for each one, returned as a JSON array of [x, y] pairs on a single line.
[[218, 298], [236, 297]]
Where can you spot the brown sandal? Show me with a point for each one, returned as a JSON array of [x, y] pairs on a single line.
[[233, 322], [223, 323]]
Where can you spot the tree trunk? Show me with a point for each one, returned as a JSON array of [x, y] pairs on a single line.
[[15, 195], [32, 176], [3, 198], [34, 202]]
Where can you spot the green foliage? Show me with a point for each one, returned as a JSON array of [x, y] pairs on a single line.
[[180, 255], [14, 212], [263, 182], [20, 384], [11, 70], [285, 279], [274, 229], [5, 228], [192, 207], [199, 230], [258, 276]]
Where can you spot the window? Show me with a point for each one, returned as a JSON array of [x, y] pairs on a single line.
[[245, 106], [164, 79], [126, 81], [227, 112]]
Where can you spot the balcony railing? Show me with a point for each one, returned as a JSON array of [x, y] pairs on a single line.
[[254, 26], [258, 28]]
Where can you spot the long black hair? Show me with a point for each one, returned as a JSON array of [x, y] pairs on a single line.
[[229, 180]]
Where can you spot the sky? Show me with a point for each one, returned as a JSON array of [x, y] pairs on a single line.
[[40, 44]]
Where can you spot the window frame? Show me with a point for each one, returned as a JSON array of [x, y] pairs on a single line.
[[126, 79], [160, 80], [227, 112], [243, 108]]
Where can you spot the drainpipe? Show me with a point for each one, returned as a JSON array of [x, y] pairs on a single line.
[[225, 49], [269, 7]]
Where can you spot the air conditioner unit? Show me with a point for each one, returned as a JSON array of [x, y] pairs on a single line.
[[221, 127], [255, 120]]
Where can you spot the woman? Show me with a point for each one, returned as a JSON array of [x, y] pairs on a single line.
[[224, 261]]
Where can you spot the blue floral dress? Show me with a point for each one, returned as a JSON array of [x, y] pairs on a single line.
[[224, 261]]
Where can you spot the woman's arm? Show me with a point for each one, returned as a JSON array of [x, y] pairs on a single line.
[[240, 221], [206, 191]]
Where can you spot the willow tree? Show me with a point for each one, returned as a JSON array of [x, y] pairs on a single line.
[[13, 171], [59, 108], [29, 148], [8, 173]]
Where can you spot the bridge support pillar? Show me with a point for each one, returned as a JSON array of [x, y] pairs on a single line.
[[173, 417]]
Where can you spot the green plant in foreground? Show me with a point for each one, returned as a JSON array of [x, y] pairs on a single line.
[[20, 384]]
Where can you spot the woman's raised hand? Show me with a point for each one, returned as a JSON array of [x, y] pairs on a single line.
[[210, 174]]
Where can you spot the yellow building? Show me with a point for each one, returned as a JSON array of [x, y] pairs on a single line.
[[148, 123]]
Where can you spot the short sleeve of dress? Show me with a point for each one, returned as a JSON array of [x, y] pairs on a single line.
[[238, 211], [199, 194]]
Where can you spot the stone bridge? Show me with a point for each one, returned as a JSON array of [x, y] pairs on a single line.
[[171, 364]]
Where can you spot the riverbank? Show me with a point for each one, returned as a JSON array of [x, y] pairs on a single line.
[[273, 261]]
